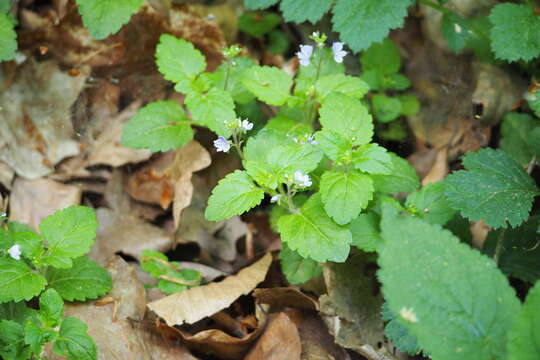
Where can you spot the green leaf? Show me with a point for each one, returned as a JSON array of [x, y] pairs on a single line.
[[397, 82], [84, 280], [304, 10], [427, 282], [159, 126], [397, 333], [36, 335], [517, 250], [410, 105], [336, 146], [345, 194], [30, 242], [16, 311], [365, 232], [430, 204], [403, 178], [258, 23], [346, 116], [348, 85], [515, 130], [259, 4], [307, 75], [234, 83], [234, 195], [8, 38], [524, 338], [269, 84], [361, 23], [514, 35], [455, 30], [12, 346], [51, 307], [105, 17], [185, 279], [74, 341], [178, 60], [494, 188], [154, 262], [296, 268], [18, 281], [313, 234], [385, 108], [212, 110], [534, 101], [382, 57], [373, 159], [69, 233], [278, 42]]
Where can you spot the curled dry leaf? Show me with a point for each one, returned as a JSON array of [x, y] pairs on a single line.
[[282, 297], [35, 122], [33, 200], [280, 340], [440, 168], [317, 343], [197, 303]]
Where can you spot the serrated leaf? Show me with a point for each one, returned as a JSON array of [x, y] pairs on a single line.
[[345, 194], [178, 60], [16, 311], [84, 280], [268, 84], [51, 307], [258, 23], [313, 234], [234, 195], [212, 110], [74, 341], [8, 38], [361, 23], [159, 126], [345, 84], [334, 145], [296, 268], [397, 333], [494, 188], [373, 159], [304, 10], [35, 335], [423, 268], [516, 250], [515, 130], [365, 232], [402, 179], [12, 346], [455, 31], [105, 17], [69, 233], [430, 204], [18, 281], [30, 242], [385, 108], [346, 116], [524, 338], [259, 4], [514, 35], [381, 57]]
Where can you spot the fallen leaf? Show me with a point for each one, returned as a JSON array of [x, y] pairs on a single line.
[[196, 303], [6, 175], [33, 200], [440, 168], [282, 297], [317, 343], [280, 340], [35, 122]]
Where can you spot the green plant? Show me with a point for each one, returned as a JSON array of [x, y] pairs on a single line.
[[51, 266]]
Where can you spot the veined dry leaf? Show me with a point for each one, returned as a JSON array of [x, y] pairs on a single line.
[[279, 341], [35, 122], [33, 200], [196, 303], [282, 297]]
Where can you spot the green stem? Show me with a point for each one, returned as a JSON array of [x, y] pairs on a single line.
[[227, 72], [238, 145], [311, 101], [499, 247]]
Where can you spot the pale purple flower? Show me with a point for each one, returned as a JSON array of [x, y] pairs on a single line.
[[302, 179], [311, 140], [275, 198], [15, 252], [305, 54], [339, 53], [246, 125], [222, 144]]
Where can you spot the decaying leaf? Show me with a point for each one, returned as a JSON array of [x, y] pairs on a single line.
[[35, 122], [196, 303], [317, 343], [33, 200], [281, 297], [6, 175]]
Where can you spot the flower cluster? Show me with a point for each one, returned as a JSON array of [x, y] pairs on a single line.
[[238, 126], [306, 51], [306, 139]]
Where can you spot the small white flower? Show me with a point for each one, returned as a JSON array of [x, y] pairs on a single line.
[[311, 140], [339, 53], [222, 144], [246, 125], [408, 314], [15, 252], [275, 198], [301, 179], [457, 28], [305, 54]]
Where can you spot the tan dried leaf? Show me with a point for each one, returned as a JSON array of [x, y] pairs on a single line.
[[196, 303], [280, 340]]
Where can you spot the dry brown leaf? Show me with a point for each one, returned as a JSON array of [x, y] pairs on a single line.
[[196, 303], [32, 200], [6, 175], [440, 168], [317, 343], [281, 297], [35, 122], [279, 341]]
